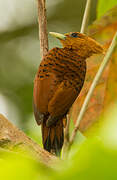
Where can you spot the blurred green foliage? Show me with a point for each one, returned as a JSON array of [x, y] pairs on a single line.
[[95, 158], [104, 6]]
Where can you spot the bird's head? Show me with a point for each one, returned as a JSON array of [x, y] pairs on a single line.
[[82, 44]]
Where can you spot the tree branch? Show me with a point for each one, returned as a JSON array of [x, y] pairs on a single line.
[[11, 137], [66, 138], [86, 16], [42, 21], [93, 85]]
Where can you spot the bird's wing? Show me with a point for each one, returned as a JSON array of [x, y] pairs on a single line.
[[44, 88], [62, 100]]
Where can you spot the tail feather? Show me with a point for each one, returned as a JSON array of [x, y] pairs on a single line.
[[53, 137]]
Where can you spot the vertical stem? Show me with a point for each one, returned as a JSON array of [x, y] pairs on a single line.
[[86, 16], [42, 20], [67, 128], [66, 138]]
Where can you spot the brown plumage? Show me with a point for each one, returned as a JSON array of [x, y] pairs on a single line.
[[57, 84]]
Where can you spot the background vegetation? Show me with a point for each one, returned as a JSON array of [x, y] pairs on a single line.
[[90, 158], [19, 52]]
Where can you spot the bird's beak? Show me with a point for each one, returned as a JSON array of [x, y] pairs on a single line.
[[58, 35]]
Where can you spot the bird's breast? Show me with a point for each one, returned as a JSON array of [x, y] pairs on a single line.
[[65, 65], [70, 66], [58, 66], [62, 61]]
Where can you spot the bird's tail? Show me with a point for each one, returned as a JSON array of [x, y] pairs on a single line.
[[53, 137]]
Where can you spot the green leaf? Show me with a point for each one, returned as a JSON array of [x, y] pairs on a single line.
[[104, 6], [16, 166]]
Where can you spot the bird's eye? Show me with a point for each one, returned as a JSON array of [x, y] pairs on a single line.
[[74, 35]]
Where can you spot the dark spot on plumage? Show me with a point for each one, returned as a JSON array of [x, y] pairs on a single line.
[[47, 75], [56, 49], [50, 58], [70, 82], [50, 64], [45, 64], [41, 76], [59, 76], [55, 69], [59, 65], [77, 89], [45, 70], [73, 59], [62, 61], [60, 54], [67, 56], [57, 58], [72, 75], [53, 55]]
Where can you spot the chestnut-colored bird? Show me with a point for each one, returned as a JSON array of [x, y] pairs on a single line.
[[58, 82]]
